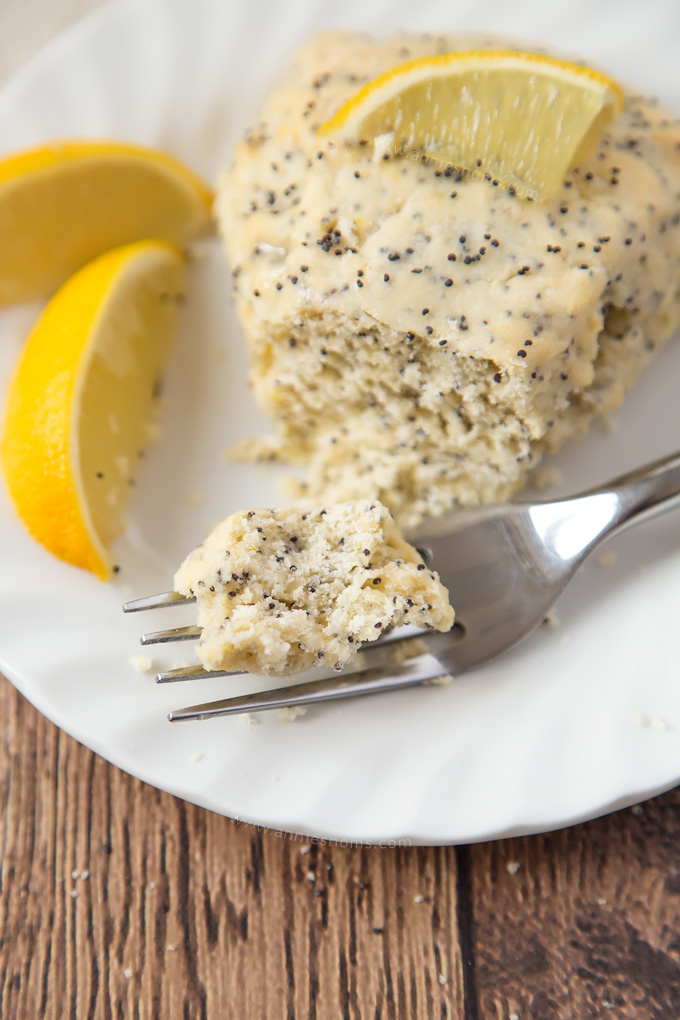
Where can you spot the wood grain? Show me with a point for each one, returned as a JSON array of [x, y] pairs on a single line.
[[118, 901], [587, 926]]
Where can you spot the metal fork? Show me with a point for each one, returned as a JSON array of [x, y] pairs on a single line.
[[504, 566]]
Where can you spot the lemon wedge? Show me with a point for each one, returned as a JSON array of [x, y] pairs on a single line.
[[519, 119], [82, 396], [63, 204]]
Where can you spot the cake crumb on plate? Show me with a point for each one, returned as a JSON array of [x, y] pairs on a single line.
[[291, 712], [280, 591], [249, 719], [142, 663], [545, 477]]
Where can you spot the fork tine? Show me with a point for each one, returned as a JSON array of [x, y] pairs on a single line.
[[192, 673], [166, 598], [371, 681], [159, 637], [393, 637]]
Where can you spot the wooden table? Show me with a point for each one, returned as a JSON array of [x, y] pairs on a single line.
[[117, 901], [121, 903]]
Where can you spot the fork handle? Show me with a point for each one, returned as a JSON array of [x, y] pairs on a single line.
[[643, 493]]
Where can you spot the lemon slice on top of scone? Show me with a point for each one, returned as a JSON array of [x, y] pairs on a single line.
[[517, 119]]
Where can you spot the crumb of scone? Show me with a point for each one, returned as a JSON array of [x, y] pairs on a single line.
[[291, 712], [280, 591], [249, 719], [607, 559], [422, 337], [441, 681], [545, 477], [142, 663], [181, 664], [551, 620], [653, 722]]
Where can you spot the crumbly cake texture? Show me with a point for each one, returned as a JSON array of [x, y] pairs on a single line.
[[280, 591], [425, 339]]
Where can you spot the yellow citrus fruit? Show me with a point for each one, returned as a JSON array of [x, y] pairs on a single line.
[[516, 118], [82, 398], [63, 204]]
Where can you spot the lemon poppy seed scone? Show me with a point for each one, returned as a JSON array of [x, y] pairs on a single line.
[[424, 338], [280, 591]]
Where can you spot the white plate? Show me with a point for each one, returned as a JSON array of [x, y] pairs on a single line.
[[582, 719]]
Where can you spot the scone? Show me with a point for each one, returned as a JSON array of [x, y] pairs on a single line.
[[424, 339], [280, 591]]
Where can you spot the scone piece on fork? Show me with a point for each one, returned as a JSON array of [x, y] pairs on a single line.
[[280, 591]]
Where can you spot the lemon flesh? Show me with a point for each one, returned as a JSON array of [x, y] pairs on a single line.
[[82, 398], [516, 119], [63, 204]]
